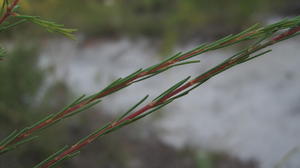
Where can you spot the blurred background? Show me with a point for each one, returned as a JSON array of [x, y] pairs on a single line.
[[247, 117]]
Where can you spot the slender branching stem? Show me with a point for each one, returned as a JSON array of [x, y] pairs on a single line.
[[125, 83], [179, 91], [253, 32], [9, 10]]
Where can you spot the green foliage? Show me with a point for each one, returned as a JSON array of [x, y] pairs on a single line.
[[10, 9], [26, 80], [48, 25], [21, 81], [262, 36]]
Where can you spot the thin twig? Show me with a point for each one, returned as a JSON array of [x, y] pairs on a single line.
[[249, 34], [243, 57], [117, 87], [9, 11]]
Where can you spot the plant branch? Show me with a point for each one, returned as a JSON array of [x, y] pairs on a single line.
[[9, 11], [254, 32], [178, 90]]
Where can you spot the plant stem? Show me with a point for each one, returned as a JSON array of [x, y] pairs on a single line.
[[235, 60], [251, 33], [121, 85], [9, 11]]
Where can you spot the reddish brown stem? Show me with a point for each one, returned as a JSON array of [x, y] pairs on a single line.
[[77, 147], [287, 33], [8, 11], [165, 98], [102, 94], [124, 84]]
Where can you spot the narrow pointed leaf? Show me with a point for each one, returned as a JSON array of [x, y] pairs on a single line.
[[51, 157], [82, 108], [132, 108], [171, 89], [8, 138]]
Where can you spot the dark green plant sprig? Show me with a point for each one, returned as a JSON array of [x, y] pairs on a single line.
[[178, 90], [5, 12], [48, 25], [81, 104], [10, 10]]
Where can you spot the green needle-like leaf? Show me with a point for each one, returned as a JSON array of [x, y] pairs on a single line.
[[171, 89], [50, 26], [11, 147], [8, 138], [82, 108], [260, 54], [51, 157], [151, 111], [94, 133], [132, 108]]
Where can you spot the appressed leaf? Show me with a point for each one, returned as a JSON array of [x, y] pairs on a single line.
[[50, 26]]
